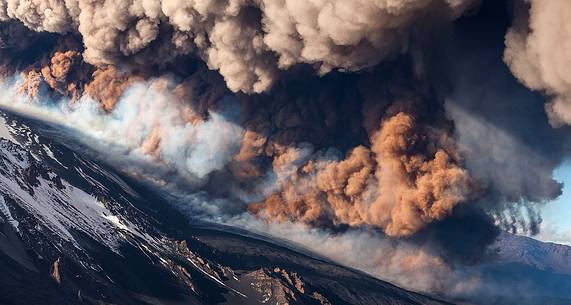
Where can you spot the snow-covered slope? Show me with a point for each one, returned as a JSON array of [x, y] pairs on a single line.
[[58, 206]]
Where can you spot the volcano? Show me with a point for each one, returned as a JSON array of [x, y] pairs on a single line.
[[73, 231]]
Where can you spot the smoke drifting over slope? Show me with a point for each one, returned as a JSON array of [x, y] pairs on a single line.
[[394, 118]]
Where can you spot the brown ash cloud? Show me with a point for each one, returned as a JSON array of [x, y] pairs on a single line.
[[398, 117]]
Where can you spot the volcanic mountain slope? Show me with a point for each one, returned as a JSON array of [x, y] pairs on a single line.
[[533, 253], [526, 271], [74, 232], [522, 271]]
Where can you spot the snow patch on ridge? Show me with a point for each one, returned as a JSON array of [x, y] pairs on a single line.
[[4, 131], [6, 211], [60, 207]]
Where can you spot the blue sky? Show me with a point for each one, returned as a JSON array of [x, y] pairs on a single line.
[[556, 226]]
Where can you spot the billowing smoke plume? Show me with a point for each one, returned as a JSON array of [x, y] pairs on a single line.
[[246, 40], [502, 129], [391, 126], [392, 185]]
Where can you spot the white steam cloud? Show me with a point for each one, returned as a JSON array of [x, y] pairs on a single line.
[[148, 125]]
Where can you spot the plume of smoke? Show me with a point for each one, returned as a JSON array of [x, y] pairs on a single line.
[[537, 51], [514, 195], [391, 186], [402, 173], [246, 40], [502, 130]]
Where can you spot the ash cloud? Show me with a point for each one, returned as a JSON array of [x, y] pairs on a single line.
[[537, 51], [247, 41], [389, 186], [502, 129], [392, 127]]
